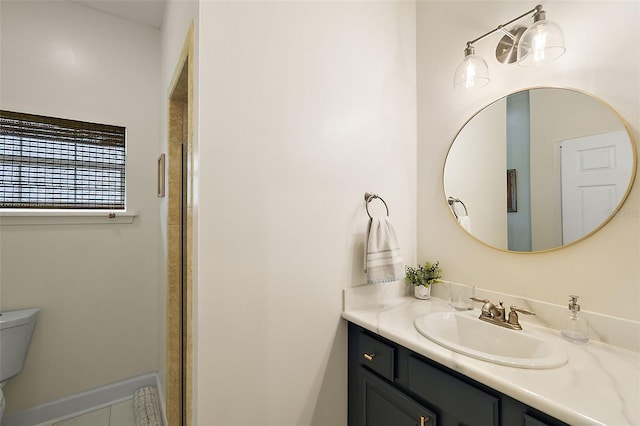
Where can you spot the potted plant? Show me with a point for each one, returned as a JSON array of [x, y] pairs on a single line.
[[422, 277]]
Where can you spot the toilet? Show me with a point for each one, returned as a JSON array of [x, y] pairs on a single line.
[[16, 328]]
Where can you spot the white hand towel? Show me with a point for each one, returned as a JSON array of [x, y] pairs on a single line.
[[383, 259], [465, 222]]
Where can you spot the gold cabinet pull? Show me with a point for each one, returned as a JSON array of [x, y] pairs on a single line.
[[423, 420], [369, 357]]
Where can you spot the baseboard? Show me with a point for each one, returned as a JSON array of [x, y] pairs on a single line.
[[161, 401], [82, 402]]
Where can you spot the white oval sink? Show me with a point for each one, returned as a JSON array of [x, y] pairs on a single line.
[[466, 334]]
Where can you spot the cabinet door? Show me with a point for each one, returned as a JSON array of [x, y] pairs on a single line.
[[380, 404], [452, 396]]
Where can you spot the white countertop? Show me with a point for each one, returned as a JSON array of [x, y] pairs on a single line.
[[599, 385]]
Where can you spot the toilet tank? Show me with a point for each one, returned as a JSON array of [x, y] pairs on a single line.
[[16, 328]]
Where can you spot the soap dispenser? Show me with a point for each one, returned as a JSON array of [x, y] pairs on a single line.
[[575, 327]]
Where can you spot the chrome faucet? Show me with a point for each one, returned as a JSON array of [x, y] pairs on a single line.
[[495, 314]]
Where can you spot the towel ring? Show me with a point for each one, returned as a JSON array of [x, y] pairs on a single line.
[[452, 201], [368, 197]]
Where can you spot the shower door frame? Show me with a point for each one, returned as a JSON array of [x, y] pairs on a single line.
[[179, 232]]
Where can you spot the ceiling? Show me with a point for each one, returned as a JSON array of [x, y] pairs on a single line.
[[147, 12]]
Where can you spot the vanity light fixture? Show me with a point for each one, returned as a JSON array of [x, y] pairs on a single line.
[[533, 46]]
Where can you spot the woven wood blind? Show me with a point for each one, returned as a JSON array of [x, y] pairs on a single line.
[[53, 163]]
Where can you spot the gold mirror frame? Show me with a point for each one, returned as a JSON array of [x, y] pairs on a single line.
[[451, 198]]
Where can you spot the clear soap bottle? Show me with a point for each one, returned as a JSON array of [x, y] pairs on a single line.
[[575, 327]]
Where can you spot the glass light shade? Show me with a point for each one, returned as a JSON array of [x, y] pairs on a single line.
[[471, 73], [542, 42]]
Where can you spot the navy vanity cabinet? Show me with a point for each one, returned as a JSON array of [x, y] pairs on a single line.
[[389, 385]]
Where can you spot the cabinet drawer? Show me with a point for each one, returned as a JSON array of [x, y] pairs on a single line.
[[376, 355], [468, 403]]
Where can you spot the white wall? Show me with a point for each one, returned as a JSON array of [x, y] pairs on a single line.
[[97, 285], [604, 269], [304, 106]]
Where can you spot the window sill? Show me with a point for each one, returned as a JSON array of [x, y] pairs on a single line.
[[9, 218]]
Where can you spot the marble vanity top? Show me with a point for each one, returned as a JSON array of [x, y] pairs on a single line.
[[599, 385]]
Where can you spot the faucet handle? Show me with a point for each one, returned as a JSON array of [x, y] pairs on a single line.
[[521, 310], [475, 299], [513, 316]]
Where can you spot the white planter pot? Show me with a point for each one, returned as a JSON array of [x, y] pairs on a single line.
[[422, 292]]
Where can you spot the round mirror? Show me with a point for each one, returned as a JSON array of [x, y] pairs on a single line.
[[539, 169]]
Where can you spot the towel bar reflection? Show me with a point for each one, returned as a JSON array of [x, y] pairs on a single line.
[[452, 201], [368, 197]]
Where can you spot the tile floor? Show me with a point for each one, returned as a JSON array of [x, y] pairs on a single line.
[[120, 414]]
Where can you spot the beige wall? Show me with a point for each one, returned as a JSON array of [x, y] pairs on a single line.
[[604, 269], [304, 106], [97, 285]]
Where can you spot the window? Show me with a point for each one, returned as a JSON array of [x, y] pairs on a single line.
[[53, 163]]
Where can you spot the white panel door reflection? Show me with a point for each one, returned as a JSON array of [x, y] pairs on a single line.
[[595, 174]]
